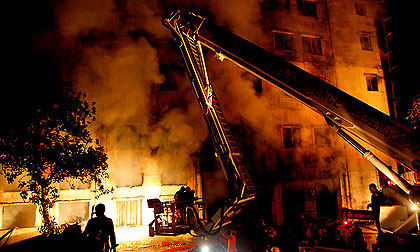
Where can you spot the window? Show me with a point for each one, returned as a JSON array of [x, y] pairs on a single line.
[[365, 41], [372, 82], [307, 8], [312, 45], [283, 41], [129, 175], [360, 9], [322, 137], [280, 5], [23, 216], [72, 211], [128, 213], [291, 137]]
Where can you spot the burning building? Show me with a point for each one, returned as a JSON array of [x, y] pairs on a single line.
[[148, 120]]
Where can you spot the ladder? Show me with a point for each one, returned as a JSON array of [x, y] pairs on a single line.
[[196, 53], [233, 146]]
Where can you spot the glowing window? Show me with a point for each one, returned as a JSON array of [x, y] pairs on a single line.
[[23, 216], [69, 212], [128, 213]]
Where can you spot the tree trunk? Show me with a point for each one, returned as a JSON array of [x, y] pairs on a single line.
[[48, 224]]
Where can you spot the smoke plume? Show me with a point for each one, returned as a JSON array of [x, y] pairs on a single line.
[[118, 65], [118, 52]]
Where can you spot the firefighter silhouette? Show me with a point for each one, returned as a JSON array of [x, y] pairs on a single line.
[[100, 231]]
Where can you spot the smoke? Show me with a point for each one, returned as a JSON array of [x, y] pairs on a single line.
[[69, 212], [117, 52], [119, 65], [19, 216], [78, 17], [146, 16], [240, 17], [243, 104], [120, 80]]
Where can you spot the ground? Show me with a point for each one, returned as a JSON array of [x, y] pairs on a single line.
[[137, 239]]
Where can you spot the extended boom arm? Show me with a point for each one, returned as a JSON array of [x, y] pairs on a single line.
[[347, 115]]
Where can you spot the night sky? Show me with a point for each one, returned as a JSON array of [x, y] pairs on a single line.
[[406, 54], [30, 78]]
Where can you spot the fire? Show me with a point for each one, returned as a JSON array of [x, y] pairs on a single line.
[[220, 56], [150, 192]]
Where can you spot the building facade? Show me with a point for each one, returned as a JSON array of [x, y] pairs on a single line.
[[315, 173], [336, 41]]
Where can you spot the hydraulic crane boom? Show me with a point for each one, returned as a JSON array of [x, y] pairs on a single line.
[[347, 115]]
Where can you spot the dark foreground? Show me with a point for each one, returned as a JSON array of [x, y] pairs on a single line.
[[247, 239]]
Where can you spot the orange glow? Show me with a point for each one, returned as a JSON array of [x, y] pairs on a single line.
[[132, 234], [150, 192], [220, 56]]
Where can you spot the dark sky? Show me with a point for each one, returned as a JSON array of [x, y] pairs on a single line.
[[30, 79], [405, 21]]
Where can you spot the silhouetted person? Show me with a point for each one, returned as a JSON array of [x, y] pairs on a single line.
[[180, 204], [189, 202], [377, 200], [100, 231], [180, 195], [189, 196]]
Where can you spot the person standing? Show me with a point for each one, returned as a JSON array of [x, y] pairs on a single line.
[[180, 205], [377, 200], [189, 196], [100, 231]]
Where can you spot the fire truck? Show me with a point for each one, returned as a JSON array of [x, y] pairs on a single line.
[[353, 120]]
